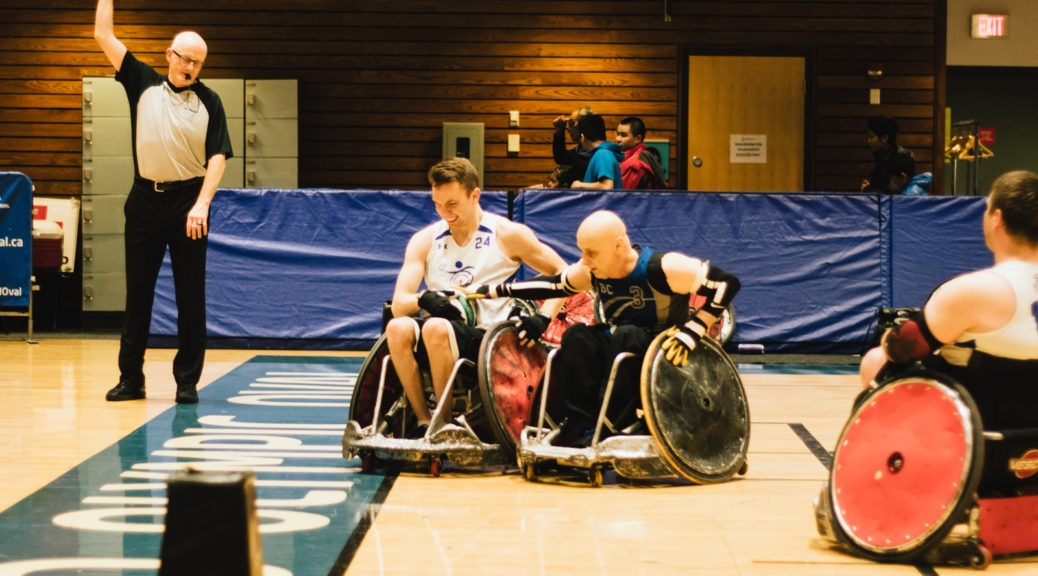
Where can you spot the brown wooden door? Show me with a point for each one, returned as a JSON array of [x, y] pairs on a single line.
[[746, 123]]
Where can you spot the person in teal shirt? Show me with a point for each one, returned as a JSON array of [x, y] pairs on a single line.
[[603, 171]]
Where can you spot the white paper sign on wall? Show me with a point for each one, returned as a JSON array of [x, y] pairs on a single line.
[[748, 148]]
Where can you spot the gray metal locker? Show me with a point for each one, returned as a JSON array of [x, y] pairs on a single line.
[[103, 214], [103, 253], [271, 172], [107, 175], [271, 133], [104, 292], [107, 178], [103, 96]]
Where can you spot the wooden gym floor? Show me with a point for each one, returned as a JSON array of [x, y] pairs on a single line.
[[53, 417]]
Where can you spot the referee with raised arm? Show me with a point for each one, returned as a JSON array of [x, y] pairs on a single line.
[[180, 149]]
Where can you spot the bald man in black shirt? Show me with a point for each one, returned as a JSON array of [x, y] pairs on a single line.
[[180, 148]]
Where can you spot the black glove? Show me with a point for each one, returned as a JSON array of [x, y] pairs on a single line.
[[439, 305], [682, 340], [531, 328]]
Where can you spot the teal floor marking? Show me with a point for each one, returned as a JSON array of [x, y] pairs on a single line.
[[281, 416]]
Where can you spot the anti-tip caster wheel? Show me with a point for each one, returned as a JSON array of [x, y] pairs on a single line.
[[435, 466], [529, 472], [979, 555], [595, 477], [744, 468]]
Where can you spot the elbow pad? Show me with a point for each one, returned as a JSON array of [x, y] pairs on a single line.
[[910, 341], [718, 286]]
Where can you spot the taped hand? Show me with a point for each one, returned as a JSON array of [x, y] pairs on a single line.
[[681, 341], [531, 328]]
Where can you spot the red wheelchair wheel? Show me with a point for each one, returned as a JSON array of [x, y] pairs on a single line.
[[509, 376], [905, 467], [578, 309]]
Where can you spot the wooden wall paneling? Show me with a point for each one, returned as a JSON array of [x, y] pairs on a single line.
[[377, 79]]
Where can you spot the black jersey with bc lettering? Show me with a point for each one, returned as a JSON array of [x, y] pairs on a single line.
[[643, 297]]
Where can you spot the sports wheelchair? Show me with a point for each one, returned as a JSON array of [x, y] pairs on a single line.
[[697, 418], [916, 477], [492, 397]]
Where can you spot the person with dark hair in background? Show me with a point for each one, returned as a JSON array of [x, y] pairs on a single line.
[[902, 165], [180, 149], [882, 140], [640, 169], [603, 171], [981, 328], [572, 161]]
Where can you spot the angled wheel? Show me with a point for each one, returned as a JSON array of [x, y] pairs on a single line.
[[905, 467], [509, 376], [697, 414], [578, 309], [365, 392]]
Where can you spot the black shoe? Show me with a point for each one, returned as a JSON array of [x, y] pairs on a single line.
[[124, 390], [187, 394], [418, 432]]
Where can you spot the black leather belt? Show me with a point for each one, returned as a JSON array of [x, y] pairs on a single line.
[[170, 186]]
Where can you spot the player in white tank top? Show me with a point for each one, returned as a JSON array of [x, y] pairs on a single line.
[[466, 246], [1018, 339], [991, 314], [480, 261]]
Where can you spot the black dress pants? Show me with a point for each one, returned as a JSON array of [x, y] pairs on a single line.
[[155, 221]]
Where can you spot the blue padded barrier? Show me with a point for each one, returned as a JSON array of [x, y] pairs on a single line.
[[311, 268], [809, 264], [306, 268], [934, 238]]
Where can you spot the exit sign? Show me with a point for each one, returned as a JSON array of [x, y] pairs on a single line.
[[988, 26]]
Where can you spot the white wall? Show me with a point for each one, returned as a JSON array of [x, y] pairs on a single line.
[[1018, 48]]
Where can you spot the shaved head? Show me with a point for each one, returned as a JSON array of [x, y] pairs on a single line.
[[604, 245], [601, 227], [188, 40]]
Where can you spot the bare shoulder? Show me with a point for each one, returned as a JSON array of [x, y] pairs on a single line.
[[678, 261], [419, 244], [515, 238], [976, 302], [681, 271], [983, 285]]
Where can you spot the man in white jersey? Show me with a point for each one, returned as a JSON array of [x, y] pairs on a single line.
[[180, 148], [468, 246], [982, 327]]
